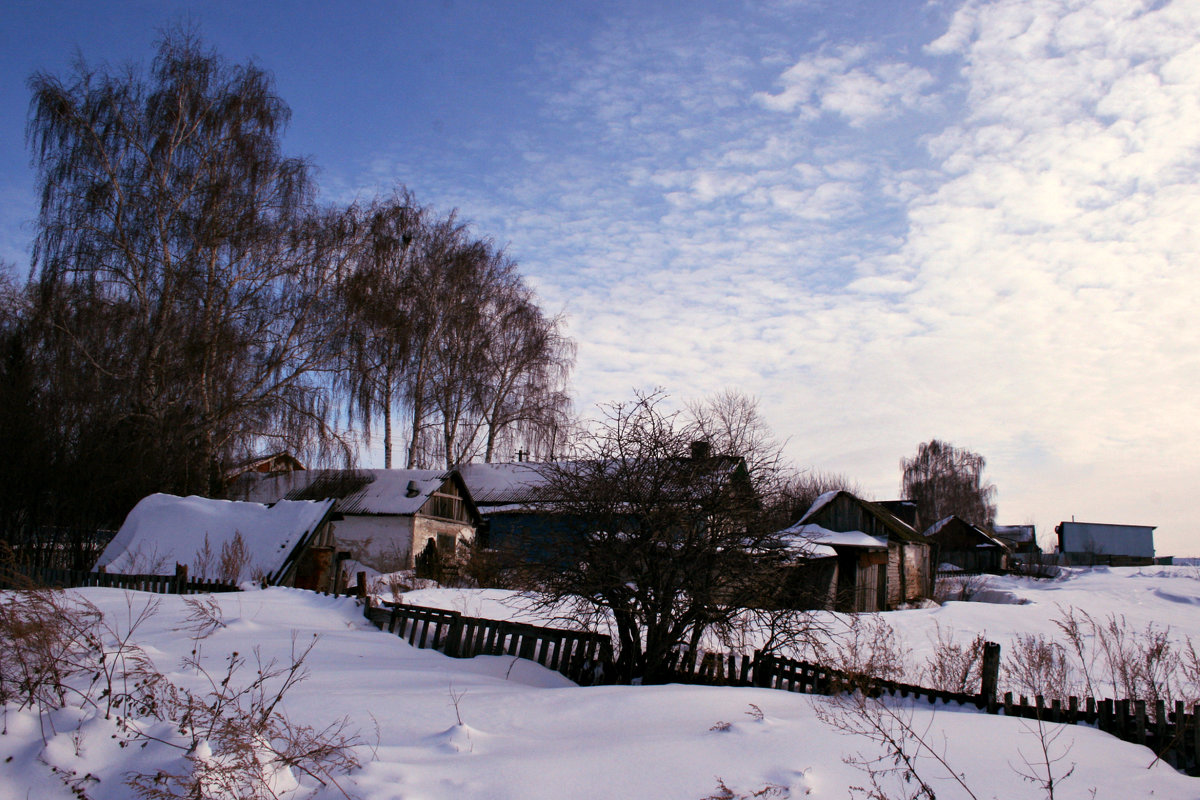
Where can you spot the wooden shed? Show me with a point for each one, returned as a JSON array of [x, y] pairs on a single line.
[[283, 544], [967, 547], [874, 578]]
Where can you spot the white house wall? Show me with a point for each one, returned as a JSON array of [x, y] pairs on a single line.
[[381, 542]]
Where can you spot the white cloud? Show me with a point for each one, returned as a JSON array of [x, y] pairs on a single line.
[[836, 83]]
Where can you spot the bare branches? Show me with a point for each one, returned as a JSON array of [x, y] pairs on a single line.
[[945, 480]]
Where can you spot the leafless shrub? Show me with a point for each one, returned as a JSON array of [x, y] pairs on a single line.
[[237, 743], [234, 558], [204, 616], [903, 769], [1037, 666], [959, 587], [58, 651], [1143, 664], [868, 648], [202, 564], [1041, 769], [954, 667], [723, 792]]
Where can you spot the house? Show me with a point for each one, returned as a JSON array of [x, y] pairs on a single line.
[[517, 499], [1021, 540], [246, 471], [1088, 543], [882, 562], [289, 543], [963, 546], [384, 517]]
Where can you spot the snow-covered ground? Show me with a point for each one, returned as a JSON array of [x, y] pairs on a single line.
[[491, 727]]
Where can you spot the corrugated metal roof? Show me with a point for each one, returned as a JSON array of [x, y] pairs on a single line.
[[360, 491]]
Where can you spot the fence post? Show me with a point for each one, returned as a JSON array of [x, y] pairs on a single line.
[[362, 586], [181, 578], [990, 673]]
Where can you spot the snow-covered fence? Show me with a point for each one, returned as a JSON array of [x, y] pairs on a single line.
[[581, 656], [52, 577]]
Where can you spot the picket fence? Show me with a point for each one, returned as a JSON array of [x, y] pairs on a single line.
[[52, 577], [585, 658]]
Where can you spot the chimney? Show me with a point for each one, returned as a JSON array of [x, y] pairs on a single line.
[[701, 451]]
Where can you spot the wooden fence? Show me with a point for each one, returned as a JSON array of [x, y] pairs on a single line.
[[585, 658], [1171, 732], [51, 577]]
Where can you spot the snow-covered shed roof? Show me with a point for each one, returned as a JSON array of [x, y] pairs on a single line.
[[815, 541], [505, 484], [163, 530], [359, 491], [1015, 533], [988, 539], [895, 526]]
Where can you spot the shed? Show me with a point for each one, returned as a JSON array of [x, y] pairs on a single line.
[[287, 543], [869, 580], [967, 547], [384, 517], [1021, 539]]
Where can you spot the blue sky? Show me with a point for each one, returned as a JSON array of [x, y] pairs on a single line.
[[889, 221]]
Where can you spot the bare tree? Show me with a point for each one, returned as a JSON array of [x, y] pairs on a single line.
[[665, 540], [182, 269], [943, 480], [379, 299]]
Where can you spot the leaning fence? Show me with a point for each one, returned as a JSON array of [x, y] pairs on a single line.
[[584, 657]]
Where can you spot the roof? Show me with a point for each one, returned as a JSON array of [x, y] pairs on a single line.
[[163, 530], [528, 484], [511, 483], [1015, 533], [815, 539], [392, 492], [896, 526], [988, 539]]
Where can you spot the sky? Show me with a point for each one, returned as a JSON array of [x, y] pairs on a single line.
[[889, 221]]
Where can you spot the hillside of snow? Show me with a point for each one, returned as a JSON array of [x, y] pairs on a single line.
[[492, 727]]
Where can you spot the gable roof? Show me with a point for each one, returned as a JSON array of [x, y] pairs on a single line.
[[501, 484], [163, 530], [953, 521], [527, 485], [391, 492], [895, 526]]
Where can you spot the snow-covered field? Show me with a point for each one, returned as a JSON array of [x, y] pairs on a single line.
[[490, 727]]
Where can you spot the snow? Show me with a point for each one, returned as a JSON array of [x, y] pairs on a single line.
[[810, 535], [386, 491], [163, 530], [496, 727]]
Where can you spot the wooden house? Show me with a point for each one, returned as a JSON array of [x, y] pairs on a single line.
[[1021, 540], [882, 562], [521, 512], [289, 543], [384, 517], [963, 546]]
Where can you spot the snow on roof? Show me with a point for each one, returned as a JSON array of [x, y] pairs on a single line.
[[822, 501], [357, 491], [503, 484], [163, 530], [937, 526], [803, 535], [1017, 533]]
